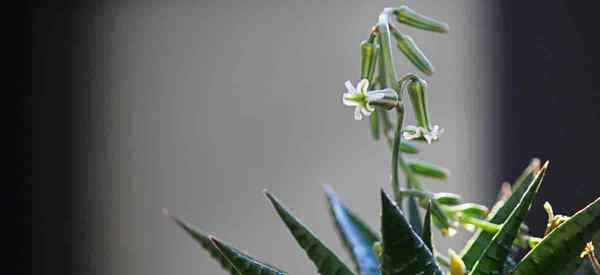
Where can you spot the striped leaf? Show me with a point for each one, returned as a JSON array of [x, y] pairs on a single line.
[[242, 263], [495, 255], [327, 262], [498, 215], [561, 248], [355, 234], [231, 259], [202, 239], [404, 252], [426, 234], [414, 216]]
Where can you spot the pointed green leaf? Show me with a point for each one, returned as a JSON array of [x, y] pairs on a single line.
[[414, 216], [494, 256], [499, 213], [355, 235], [411, 18], [426, 235], [327, 262], [428, 169], [562, 246], [205, 242], [404, 253], [242, 263]]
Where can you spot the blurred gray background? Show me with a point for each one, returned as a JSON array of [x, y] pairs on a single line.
[[199, 106]]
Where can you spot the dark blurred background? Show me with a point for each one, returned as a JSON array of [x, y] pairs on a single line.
[[549, 76], [539, 91]]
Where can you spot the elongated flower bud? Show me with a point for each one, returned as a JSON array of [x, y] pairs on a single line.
[[409, 48], [470, 209], [428, 169], [416, 91], [367, 59], [409, 17], [447, 198]]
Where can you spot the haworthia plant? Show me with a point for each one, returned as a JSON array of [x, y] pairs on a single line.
[[355, 234], [323, 258], [404, 252], [404, 246], [498, 249]]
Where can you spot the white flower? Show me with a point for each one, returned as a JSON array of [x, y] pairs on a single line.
[[358, 98], [414, 132]]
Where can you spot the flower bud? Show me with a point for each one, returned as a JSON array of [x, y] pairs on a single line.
[[428, 169], [367, 59], [553, 220], [447, 198], [457, 266], [416, 91], [470, 209], [409, 48], [409, 17]]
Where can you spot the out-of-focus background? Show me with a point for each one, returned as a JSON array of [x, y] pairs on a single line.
[[199, 106]]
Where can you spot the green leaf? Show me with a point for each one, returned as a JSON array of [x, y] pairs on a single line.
[[411, 18], [499, 213], [404, 253], [204, 241], [327, 262], [495, 255], [562, 246], [242, 263], [426, 235], [414, 216], [355, 235], [428, 169]]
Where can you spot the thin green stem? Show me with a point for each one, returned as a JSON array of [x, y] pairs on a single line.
[[396, 156]]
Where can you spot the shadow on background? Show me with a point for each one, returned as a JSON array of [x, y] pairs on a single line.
[[551, 98]]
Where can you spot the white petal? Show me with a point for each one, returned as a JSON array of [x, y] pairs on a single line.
[[349, 87], [365, 111], [369, 107], [428, 137], [362, 86], [412, 132], [357, 114]]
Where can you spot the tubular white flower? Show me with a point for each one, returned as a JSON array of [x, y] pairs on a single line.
[[358, 98], [414, 132], [362, 100]]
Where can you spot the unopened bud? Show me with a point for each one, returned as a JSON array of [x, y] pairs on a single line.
[[428, 169], [457, 266], [411, 18], [409, 48]]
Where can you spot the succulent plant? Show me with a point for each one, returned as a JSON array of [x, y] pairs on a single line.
[[404, 245]]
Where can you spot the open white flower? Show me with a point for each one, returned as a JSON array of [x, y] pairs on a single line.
[[358, 98], [415, 132]]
